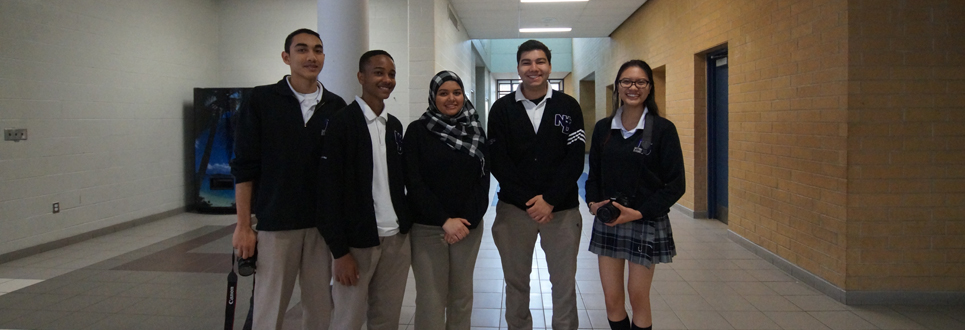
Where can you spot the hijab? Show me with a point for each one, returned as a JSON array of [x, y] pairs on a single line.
[[460, 132]]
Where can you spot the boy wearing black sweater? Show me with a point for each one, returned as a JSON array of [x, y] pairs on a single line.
[[537, 146], [366, 222], [277, 146]]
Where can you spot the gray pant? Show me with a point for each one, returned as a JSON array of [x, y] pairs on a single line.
[[515, 235], [377, 296], [443, 277], [283, 256]]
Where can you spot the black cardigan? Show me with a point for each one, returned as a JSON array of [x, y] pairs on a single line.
[[546, 163], [621, 169], [443, 183], [277, 151], [348, 212]]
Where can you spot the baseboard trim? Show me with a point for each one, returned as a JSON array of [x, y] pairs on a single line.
[[906, 298], [851, 297], [797, 272], [690, 213], [56, 244]]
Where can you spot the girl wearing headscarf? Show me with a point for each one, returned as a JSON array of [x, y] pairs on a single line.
[[447, 179]]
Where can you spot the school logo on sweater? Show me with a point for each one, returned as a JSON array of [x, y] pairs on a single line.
[[563, 121], [566, 122], [398, 141]]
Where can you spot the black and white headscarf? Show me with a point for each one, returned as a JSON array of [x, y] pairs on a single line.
[[460, 132]]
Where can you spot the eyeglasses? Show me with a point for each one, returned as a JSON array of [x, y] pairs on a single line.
[[642, 83]]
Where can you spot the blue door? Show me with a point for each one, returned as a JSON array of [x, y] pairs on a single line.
[[717, 135]]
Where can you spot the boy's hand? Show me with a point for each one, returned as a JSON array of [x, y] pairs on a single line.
[[346, 270], [244, 239], [539, 209], [456, 229]]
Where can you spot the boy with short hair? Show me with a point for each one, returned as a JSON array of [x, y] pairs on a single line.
[[366, 222], [537, 147], [278, 142]]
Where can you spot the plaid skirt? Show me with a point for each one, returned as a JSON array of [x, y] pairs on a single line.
[[641, 242]]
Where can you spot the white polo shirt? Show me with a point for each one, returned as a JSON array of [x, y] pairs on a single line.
[[385, 217], [618, 123], [307, 101], [533, 110]]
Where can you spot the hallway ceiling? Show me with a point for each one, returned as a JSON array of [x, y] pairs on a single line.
[[502, 19]]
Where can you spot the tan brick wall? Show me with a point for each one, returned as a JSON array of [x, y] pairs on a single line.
[[906, 146], [788, 114], [847, 142]]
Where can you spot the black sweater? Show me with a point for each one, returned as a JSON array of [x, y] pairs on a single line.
[[277, 151], [348, 219], [442, 183], [616, 165], [546, 163]]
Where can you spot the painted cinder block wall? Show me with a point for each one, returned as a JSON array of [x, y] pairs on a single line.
[[845, 128], [103, 88]]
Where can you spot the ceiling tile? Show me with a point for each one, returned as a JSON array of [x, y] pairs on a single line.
[[500, 19]]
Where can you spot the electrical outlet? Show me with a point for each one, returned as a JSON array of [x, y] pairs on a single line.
[[14, 134], [56, 207]]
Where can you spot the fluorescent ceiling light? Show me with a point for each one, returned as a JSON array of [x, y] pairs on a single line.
[[525, 30], [553, 0]]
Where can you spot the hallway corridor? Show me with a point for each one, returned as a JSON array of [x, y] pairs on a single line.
[[170, 274]]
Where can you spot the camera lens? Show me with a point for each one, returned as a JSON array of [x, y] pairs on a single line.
[[246, 267], [607, 213]]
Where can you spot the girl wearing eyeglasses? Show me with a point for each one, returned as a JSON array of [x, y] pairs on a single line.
[[636, 175]]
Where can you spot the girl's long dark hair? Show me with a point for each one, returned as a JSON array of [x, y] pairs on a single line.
[[650, 102]]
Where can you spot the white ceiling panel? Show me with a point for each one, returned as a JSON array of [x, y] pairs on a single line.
[[502, 19]]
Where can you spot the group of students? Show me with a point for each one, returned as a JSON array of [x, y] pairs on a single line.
[[346, 203]]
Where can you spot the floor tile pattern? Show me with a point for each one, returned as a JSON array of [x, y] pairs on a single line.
[[170, 274]]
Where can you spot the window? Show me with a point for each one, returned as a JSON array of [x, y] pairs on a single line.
[[506, 86]]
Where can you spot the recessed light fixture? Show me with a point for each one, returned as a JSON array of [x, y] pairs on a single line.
[[553, 0], [528, 30]]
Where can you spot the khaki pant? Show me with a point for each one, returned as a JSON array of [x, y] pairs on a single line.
[[377, 296], [515, 235], [284, 256], [443, 277]]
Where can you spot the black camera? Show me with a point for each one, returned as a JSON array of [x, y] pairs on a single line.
[[609, 213], [246, 266]]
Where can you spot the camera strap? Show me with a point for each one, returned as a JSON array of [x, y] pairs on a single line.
[[646, 142], [232, 298]]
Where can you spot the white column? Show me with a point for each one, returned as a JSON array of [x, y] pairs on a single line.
[[344, 27], [422, 54], [388, 31]]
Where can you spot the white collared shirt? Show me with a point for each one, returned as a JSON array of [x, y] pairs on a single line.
[[618, 123], [307, 101], [385, 217], [533, 110]]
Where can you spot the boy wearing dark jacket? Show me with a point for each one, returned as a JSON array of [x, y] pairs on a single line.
[[277, 146], [537, 147], [366, 223]]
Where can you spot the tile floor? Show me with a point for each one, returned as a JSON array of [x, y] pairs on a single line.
[[170, 274]]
